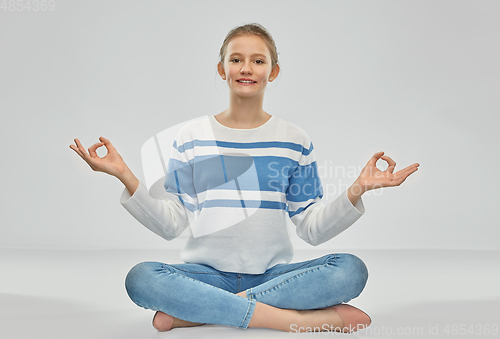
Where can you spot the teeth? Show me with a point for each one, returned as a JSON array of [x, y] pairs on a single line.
[[245, 81]]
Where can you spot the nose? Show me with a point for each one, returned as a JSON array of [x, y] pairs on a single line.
[[245, 68]]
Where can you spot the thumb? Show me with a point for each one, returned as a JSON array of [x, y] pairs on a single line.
[[108, 144]]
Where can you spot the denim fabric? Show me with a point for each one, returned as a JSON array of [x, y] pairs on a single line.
[[202, 294]]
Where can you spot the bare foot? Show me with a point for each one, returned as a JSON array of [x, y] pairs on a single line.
[[339, 318], [353, 318], [320, 320], [165, 322]]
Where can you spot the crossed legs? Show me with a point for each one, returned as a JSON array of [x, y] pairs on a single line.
[[287, 297]]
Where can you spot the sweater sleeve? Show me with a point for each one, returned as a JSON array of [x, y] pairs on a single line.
[[169, 215], [165, 217], [317, 222]]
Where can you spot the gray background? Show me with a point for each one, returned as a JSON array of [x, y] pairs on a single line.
[[416, 79]]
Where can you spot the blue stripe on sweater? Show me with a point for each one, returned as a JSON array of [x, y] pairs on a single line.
[[242, 145]]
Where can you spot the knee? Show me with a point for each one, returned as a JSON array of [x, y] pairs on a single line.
[[357, 270], [351, 271], [138, 279]]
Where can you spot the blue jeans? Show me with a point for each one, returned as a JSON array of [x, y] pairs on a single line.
[[200, 293]]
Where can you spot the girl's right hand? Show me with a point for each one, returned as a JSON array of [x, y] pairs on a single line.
[[112, 163]]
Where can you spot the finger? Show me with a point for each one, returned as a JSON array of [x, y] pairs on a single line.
[[74, 148], [405, 171], [402, 179], [403, 174], [375, 158], [84, 153], [392, 163], [80, 147], [409, 168], [108, 144], [93, 148]]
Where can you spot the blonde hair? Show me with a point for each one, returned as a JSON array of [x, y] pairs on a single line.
[[251, 29]]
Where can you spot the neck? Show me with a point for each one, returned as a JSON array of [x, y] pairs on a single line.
[[245, 112]]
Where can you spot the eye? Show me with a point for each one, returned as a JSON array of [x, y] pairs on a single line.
[[259, 61], [235, 60]]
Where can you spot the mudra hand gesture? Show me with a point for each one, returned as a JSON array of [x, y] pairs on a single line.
[[371, 177], [112, 163]]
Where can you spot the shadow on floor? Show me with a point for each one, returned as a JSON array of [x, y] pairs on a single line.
[[449, 318], [43, 317]]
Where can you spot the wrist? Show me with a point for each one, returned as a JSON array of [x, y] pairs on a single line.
[[355, 192], [129, 180], [124, 173]]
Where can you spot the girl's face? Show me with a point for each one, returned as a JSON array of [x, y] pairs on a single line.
[[247, 66]]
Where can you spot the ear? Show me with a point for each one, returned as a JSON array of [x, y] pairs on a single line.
[[220, 69], [275, 71]]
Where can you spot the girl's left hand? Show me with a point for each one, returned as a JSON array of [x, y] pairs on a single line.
[[371, 177]]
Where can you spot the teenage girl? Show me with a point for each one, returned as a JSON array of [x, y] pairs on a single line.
[[241, 276]]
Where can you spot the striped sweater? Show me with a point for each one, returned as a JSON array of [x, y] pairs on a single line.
[[237, 189]]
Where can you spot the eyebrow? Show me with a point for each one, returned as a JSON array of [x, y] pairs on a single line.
[[255, 54]]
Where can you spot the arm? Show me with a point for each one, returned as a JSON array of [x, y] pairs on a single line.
[[317, 222], [165, 217], [170, 215], [320, 222], [129, 180]]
